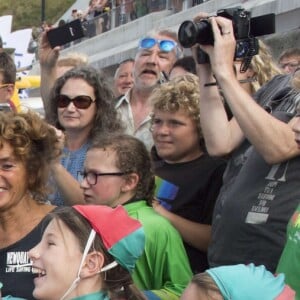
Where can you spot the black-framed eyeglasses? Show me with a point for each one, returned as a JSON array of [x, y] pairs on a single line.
[[81, 101], [91, 177]]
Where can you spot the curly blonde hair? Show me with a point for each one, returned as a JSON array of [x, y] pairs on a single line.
[[263, 66], [181, 93], [35, 144]]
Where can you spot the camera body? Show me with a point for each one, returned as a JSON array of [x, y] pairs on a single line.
[[65, 34], [191, 33]]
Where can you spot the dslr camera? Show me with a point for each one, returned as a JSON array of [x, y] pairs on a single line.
[[245, 31]]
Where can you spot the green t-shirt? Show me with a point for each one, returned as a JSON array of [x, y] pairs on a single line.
[[163, 269]]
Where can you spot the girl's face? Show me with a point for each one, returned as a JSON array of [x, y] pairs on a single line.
[[109, 189], [56, 260]]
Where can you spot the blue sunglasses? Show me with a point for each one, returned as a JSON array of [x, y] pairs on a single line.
[[164, 45]]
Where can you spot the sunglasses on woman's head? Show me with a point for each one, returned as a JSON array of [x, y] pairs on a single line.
[[81, 102]]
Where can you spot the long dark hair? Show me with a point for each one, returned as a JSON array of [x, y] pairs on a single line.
[[106, 118]]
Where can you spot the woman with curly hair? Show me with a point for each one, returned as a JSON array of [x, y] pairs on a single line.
[[27, 148], [81, 106]]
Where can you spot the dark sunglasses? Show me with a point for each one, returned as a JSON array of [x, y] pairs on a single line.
[[164, 45], [81, 102]]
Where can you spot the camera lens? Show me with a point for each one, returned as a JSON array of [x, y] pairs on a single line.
[[190, 33], [205, 33], [187, 34]]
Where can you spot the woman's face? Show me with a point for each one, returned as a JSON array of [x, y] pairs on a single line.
[[56, 261], [13, 179], [74, 119]]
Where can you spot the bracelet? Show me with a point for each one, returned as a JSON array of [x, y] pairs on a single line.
[[210, 84]]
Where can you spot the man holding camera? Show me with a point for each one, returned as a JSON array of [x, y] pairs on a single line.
[[258, 196]]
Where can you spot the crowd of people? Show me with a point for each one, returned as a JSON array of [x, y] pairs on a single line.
[[102, 15], [179, 181]]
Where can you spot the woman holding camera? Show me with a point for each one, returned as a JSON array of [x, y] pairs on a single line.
[[260, 141]]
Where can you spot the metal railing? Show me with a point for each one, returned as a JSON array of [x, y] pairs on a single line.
[[128, 10]]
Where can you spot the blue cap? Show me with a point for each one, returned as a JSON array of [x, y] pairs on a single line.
[[247, 282]]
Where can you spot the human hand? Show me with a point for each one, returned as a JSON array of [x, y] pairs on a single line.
[[158, 207], [60, 136], [204, 69], [47, 56], [221, 54]]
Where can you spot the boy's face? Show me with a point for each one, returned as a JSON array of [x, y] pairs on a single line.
[[175, 136]]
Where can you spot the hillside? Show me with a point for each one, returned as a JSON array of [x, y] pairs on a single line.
[[27, 13]]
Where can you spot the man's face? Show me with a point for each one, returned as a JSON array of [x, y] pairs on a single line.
[[150, 62], [6, 91], [289, 64], [123, 80]]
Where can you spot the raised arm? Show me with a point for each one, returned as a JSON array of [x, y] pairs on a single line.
[[66, 184], [257, 125], [221, 135]]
